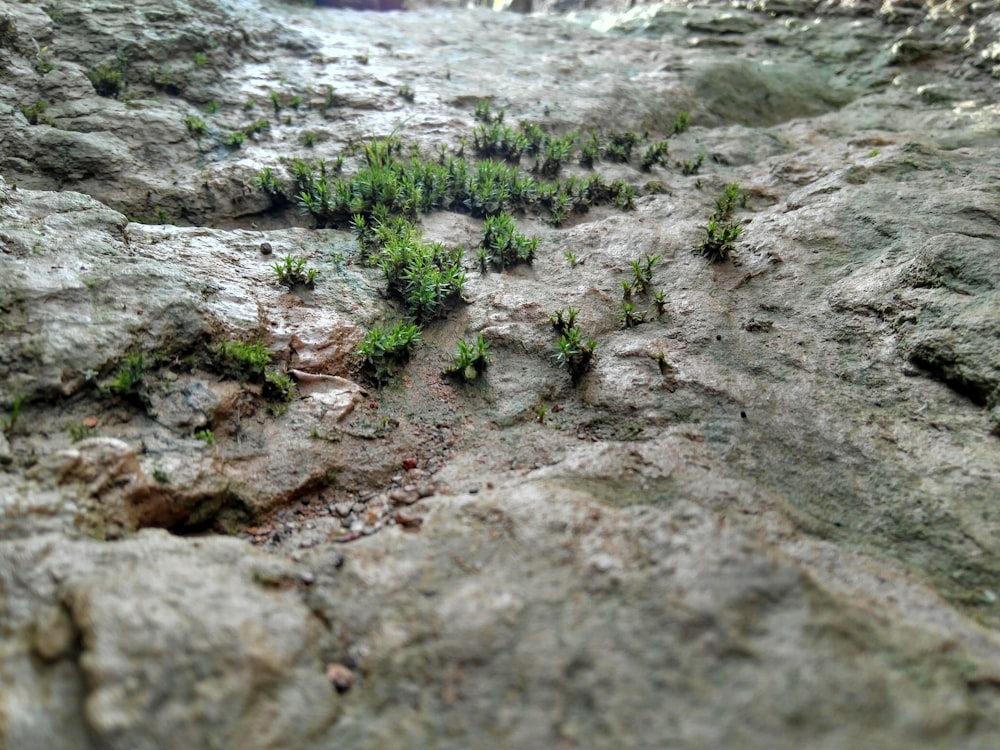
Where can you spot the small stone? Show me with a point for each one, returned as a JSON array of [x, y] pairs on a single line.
[[426, 489], [265, 248], [409, 463], [404, 495], [340, 677], [307, 577], [342, 509]]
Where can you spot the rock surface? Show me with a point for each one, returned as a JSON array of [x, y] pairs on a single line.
[[765, 518]]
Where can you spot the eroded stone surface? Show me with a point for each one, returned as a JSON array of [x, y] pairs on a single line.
[[765, 518]]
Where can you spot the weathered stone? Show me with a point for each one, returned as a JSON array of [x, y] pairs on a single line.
[[764, 518]]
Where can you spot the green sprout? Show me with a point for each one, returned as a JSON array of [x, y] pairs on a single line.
[[471, 360], [244, 360], [195, 125], [292, 272], [130, 375], [236, 139], [206, 436], [383, 351]]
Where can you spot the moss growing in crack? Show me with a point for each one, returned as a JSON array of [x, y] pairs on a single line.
[[242, 360], [384, 350], [471, 360], [504, 245]]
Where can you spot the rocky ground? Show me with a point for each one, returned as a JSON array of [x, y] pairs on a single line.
[[765, 517]]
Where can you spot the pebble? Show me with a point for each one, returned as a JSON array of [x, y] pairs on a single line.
[[307, 577], [265, 248], [404, 495], [340, 677], [343, 509]]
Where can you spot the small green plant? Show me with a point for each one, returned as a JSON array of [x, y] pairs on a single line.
[[107, 80], [655, 154], [689, 168], [575, 354], [257, 126], [212, 107], [590, 151], [270, 184], [200, 60], [873, 153], [504, 245], [275, 98], [554, 152], [406, 92], [383, 351], [42, 65], [206, 436], [236, 139], [279, 387], [720, 239], [160, 476], [629, 317], [10, 422], [309, 139], [249, 104], [542, 412], [195, 126], [623, 195], [471, 359], [563, 320], [483, 113], [78, 431], [620, 145], [241, 359], [130, 375], [660, 301], [661, 362], [572, 259], [35, 113], [721, 232], [293, 272], [682, 122], [163, 78]]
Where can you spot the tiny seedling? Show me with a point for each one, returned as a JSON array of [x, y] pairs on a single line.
[[195, 125], [543, 411], [563, 320], [383, 351], [212, 107], [573, 259], [406, 92], [278, 387], [655, 154], [206, 436], [660, 300], [160, 476], [35, 113], [629, 317], [78, 431], [720, 239], [682, 122], [309, 139], [292, 272], [107, 80], [10, 422], [691, 167], [575, 354], [236, 139], [130, 375], [200, 60], [470, 360], [243, 359]]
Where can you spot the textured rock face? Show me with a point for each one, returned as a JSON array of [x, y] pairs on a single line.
[[764, 518]]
